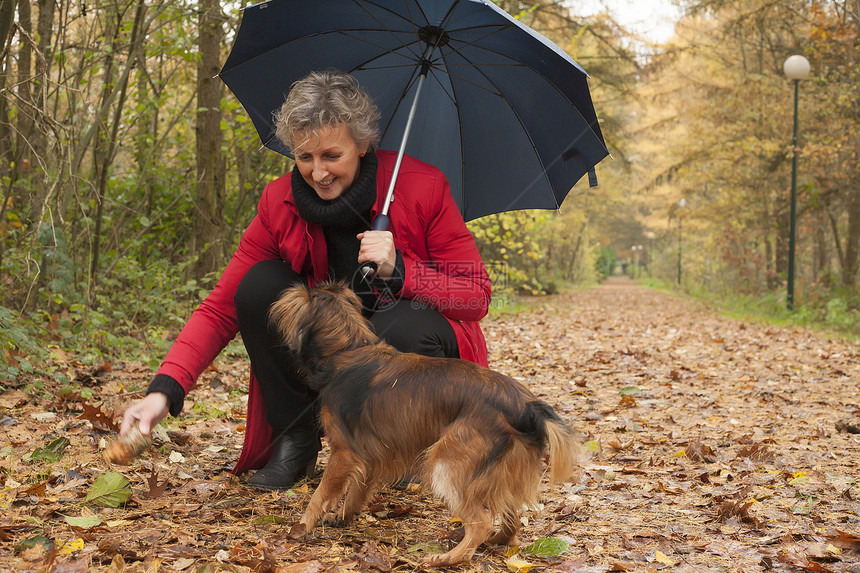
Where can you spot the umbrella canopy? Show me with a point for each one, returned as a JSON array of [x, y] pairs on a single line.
[[503, 112]]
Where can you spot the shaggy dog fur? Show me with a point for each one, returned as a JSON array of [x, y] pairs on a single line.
[[475, 437]]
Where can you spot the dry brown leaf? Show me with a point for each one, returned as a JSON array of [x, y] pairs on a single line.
[[699, 452], [98, 418], [155, 489], [304, 567]]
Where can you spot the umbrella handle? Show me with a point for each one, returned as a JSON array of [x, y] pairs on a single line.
[[369, 269]]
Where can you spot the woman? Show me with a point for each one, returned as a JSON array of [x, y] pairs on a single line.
[[429, 293]]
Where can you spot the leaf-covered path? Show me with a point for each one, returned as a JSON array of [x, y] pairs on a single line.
[[718, 445]]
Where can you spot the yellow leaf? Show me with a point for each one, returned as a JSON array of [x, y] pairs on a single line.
[[659, 557], [517, 564], [117, 564], [72, 546]]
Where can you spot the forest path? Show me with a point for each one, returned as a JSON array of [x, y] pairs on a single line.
[[718, 445]]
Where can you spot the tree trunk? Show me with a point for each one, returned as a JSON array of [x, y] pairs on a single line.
[[25, 123], [852, 241], [822, 254], [36, 138], [44, 30], [207, 242], [107, 142], [7, 15]]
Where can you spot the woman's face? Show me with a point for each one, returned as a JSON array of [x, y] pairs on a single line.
[[329, 160]]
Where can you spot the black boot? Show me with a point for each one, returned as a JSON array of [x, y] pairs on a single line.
[[294, 456]]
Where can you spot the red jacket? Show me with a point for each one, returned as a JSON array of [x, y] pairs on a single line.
[[442, 269]]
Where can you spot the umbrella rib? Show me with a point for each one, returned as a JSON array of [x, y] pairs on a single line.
[[410, 21], [515, 63], [408, 46], [453, 97], [524, 129], [400, 100], [492, 29], [414, 30], [363, 3]]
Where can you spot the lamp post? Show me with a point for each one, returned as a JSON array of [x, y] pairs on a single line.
[[796, 68], [681, 204]]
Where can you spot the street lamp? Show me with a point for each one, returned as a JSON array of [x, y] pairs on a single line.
[[796, 68], [681, 204]]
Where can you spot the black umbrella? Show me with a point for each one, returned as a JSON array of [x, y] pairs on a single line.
[[504, 113]]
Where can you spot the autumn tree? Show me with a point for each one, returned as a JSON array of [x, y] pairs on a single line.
[[715, 128], [207, 241]]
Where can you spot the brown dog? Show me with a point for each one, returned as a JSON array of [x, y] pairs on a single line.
[[474, 436]]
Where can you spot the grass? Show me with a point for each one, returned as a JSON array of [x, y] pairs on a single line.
[[837, 315]]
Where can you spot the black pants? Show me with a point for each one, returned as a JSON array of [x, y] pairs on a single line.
[[406, 325]]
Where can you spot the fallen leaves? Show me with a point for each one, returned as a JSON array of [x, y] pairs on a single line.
[[699, 452], [517, 564], [155, 489], [715, 446], [111, 489], [98, 417], [546, 547]]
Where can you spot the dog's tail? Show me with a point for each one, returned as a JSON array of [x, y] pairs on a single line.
[[559, 440]]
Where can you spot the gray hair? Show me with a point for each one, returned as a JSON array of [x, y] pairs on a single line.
[[326, 99]]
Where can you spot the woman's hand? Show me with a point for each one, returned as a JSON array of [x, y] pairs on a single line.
[[146, 413], [378, 246]]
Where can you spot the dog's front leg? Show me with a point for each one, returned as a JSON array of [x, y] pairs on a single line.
[[341, 467], [357, 496]]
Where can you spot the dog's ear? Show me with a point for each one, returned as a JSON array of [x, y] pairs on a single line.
[[290, 315]]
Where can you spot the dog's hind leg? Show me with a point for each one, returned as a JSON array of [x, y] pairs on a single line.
[[451, 467], [507, 534], [343, 467], [478, 526]]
